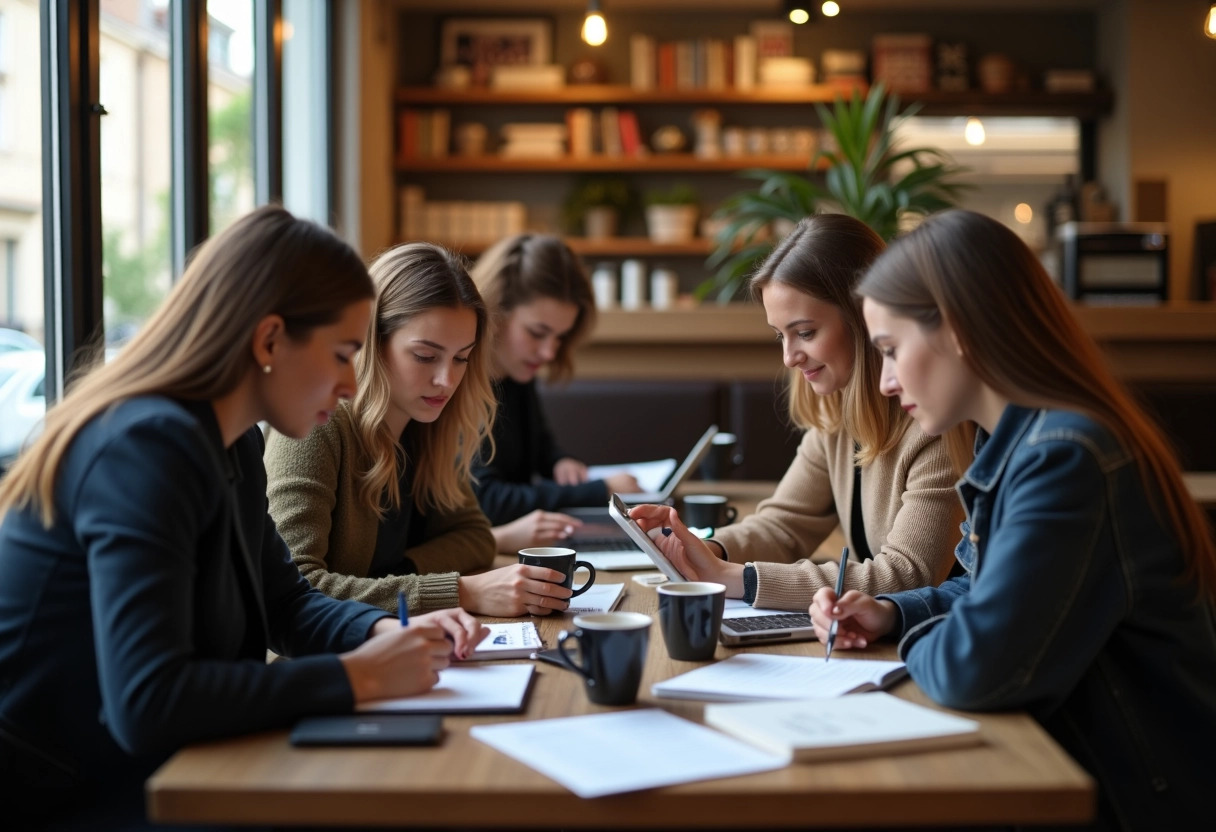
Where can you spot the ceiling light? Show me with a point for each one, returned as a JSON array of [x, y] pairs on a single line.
[[974, 132], [595, 30], [830, 8], [1209, 28]]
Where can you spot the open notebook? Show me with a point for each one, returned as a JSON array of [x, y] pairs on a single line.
[[746, 676], [602, 543]]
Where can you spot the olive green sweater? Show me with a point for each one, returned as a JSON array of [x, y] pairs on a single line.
[[313, 493], [908, 504]]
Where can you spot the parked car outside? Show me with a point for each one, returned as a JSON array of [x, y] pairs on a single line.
[[22, 399], [12, 340]]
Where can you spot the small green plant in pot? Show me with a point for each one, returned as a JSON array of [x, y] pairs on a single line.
[[866, 175], [671, 215], [597, 206]]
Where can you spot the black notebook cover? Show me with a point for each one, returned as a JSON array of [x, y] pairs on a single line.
[[369, 729]]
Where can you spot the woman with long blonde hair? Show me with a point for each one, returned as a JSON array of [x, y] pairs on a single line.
[[378, 501], [541, 302], [143, 580], [862, 464], [1089, 596]]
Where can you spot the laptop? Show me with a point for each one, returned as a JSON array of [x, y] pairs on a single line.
[[741, 623], [602, 543]]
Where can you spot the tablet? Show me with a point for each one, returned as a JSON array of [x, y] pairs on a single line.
[[368, 729], [619, 512]]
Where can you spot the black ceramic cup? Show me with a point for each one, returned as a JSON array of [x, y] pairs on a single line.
[[690, 615], [562, 560], [720, 460], [611, 654], [707, 511]]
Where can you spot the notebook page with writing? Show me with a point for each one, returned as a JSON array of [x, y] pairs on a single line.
[[746, 676], [624, 751], [508, 640]]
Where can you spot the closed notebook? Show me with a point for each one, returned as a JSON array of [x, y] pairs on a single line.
[[599, 598], [746, 676], [368, 729], [862, 725], [489, 688]]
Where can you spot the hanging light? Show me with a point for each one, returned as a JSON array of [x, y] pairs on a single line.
[[595, 30], [974, 132], [830, 8], [1209, 27], [797, 12]]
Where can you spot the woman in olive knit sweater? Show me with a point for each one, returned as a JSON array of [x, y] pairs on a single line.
[[862, 465], [378, 500]]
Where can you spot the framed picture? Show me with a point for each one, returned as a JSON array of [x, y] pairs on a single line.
[[484, 42]]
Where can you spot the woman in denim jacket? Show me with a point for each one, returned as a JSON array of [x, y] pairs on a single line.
[[1090, 571]]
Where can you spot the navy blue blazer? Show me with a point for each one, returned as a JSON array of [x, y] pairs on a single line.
[[139, 621]]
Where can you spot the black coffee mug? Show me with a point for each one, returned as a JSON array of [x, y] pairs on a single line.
[[690, 614], [611, 654], [707, 511], [720, 460], [562, 560]]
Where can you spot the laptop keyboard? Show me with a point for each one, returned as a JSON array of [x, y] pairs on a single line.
[[605, 544], [769, 622]]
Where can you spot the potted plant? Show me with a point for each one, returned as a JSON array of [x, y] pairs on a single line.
[[866, 175], [597, 205], [671, 215]]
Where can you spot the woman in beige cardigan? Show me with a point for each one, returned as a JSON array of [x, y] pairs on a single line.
[[378, 501], [903, 522]]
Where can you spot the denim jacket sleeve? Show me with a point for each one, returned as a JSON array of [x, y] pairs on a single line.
[[1044, 597]]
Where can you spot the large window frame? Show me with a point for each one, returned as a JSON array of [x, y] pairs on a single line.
[[71, 181]]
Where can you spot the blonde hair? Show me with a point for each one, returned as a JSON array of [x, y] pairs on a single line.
[[412, 279], [197, 345], [824, 257], [521, 268], [973, 272]]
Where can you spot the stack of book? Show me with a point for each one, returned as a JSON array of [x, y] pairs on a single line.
[[423, 134], [543, 140], [457, 222]]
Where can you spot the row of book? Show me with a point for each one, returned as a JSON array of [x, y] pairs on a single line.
[[704, 63], [610, 132], [423, 134], [458, 221]]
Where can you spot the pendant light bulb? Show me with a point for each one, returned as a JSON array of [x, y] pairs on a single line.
[[830, 8], [974, 133], [595, 29], [1209, 26]]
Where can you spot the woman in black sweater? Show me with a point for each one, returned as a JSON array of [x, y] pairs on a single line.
[[541, 301]]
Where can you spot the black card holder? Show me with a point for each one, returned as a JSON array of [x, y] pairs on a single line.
[[368, 729]]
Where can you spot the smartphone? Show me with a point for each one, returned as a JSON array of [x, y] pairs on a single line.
[[619, 512], [368, 729]]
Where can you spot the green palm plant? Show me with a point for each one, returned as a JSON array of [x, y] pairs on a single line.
[[863, 177]]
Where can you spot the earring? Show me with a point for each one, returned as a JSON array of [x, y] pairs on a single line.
[[266, 369]]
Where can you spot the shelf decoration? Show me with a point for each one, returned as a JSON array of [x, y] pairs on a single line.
[[484, 43]]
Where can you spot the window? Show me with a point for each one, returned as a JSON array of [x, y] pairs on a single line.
[[230, 109]]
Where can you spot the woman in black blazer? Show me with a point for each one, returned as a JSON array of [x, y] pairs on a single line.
[[141, 578]]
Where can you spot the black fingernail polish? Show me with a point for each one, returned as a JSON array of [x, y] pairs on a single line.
[[666, 532]]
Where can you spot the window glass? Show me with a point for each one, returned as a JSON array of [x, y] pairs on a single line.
[[134, 85], [22, 356], [306, 151], [230, 109]]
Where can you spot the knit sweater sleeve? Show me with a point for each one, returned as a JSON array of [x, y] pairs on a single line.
[[332, 539], [915, 537], [796, 519], [457, 539]]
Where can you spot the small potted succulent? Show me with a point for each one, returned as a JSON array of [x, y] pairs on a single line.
[[671, 215], [597, 206]]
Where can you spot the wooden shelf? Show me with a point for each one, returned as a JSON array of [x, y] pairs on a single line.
[[1028, 103], [657, 162], [612, 247]]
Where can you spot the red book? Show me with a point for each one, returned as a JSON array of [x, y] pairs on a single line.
[[631, 137], [407, 140], [667, 66]]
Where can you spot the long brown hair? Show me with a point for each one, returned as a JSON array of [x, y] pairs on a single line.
[[521, 268], [196, 346], [824, 257], [1019, 337], [411, 279]]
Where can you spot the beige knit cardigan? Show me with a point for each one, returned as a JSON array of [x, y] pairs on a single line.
[[908, 504], [314, 501]]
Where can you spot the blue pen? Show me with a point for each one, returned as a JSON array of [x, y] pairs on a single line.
[[844, 561], [403, 609]]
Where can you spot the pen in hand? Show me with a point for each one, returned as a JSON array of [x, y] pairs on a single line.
[[844, 561], [403, 610]]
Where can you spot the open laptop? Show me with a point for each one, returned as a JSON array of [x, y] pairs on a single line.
[[741, 623], [602, 543]]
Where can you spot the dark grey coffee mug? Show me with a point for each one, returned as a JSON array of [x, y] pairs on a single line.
[[611, 654], [562, 560], [707, 511], [690, 614], [720, 460]]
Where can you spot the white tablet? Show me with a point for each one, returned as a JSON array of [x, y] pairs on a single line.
[[619, 512]]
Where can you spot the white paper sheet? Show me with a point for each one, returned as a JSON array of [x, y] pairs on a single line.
[[482, 688], [763, 676], [650, 475], [737, 608], [600, 598], [624, 751]]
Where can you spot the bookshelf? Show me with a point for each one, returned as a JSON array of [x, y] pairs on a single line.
[[598, 163]]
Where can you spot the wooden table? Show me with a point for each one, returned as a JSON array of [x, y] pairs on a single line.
[[1018, 776]]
